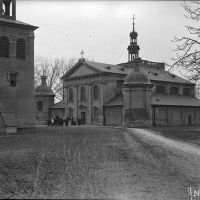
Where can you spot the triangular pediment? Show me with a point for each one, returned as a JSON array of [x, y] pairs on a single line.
[[81, 70]]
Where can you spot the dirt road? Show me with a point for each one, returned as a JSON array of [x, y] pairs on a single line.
[[152, 167], [97, 163]]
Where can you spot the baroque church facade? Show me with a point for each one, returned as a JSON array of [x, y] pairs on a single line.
[[131, 94], [17, 94]]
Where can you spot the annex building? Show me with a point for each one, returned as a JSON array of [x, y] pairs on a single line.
[[131, 94], [17, 94]]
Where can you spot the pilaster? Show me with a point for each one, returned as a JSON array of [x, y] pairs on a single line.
[[180, 89], [169, 115], [196, 116], [75, 103], [168, 89], [183, 116], [12, 50], [89, 99], [66, 102], [102, 85]]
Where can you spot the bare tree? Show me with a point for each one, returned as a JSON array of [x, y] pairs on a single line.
[[188, 49], [53, 69]]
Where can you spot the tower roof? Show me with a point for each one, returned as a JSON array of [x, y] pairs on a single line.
[[133, 48], [43, 89], [133, 34]]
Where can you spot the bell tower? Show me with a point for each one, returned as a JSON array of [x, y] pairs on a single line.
[[17, 94], [133, 48], [6, 6]]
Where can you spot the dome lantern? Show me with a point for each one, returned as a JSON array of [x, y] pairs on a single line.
[[137, 77]]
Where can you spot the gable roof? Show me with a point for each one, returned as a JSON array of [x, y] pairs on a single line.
[[153, 73], [109, 68], [99, 67]]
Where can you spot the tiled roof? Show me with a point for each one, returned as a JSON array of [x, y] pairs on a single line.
[[107, 67], [16, 22], [155, 74], [160, 99], [43, 89], [115, 101], [60, 104], [174, 100]]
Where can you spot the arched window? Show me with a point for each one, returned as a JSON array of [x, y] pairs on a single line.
[[40, 105], [186, 91], [71, 95], [160, 89], [173, 90], [4, 47], [83, 97], [96, 114], [96, 92], [21, 49]]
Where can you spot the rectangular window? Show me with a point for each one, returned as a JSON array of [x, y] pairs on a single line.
[[13, 79]]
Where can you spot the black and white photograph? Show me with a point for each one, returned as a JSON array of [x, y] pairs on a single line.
[[100, 99]]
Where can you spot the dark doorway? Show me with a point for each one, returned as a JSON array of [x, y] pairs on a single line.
[[82, 117], [189, 120]]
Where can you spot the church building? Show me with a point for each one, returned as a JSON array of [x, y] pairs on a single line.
[[17, 94], [132, 94]]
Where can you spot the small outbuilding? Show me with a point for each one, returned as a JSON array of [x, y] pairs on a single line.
[[8, 122], [58, 109]]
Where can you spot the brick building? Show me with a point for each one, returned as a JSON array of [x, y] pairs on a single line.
[[16, 66], [131, 94]]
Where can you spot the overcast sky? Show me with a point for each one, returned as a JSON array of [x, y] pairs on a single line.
[[101, 28]]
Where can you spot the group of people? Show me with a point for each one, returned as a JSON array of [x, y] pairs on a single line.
[[60, 121]]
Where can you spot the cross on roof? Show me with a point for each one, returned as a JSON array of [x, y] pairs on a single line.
[[82, 54]]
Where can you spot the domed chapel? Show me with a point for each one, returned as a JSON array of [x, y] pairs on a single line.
[[136, 93]]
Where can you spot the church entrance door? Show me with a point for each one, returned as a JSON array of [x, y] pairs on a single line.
[[82, 117]]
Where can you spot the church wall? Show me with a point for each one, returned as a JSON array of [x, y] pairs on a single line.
[[113, 116], [191, 112], [107, 87], [175, 115], [161, 117], [168, 85]]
